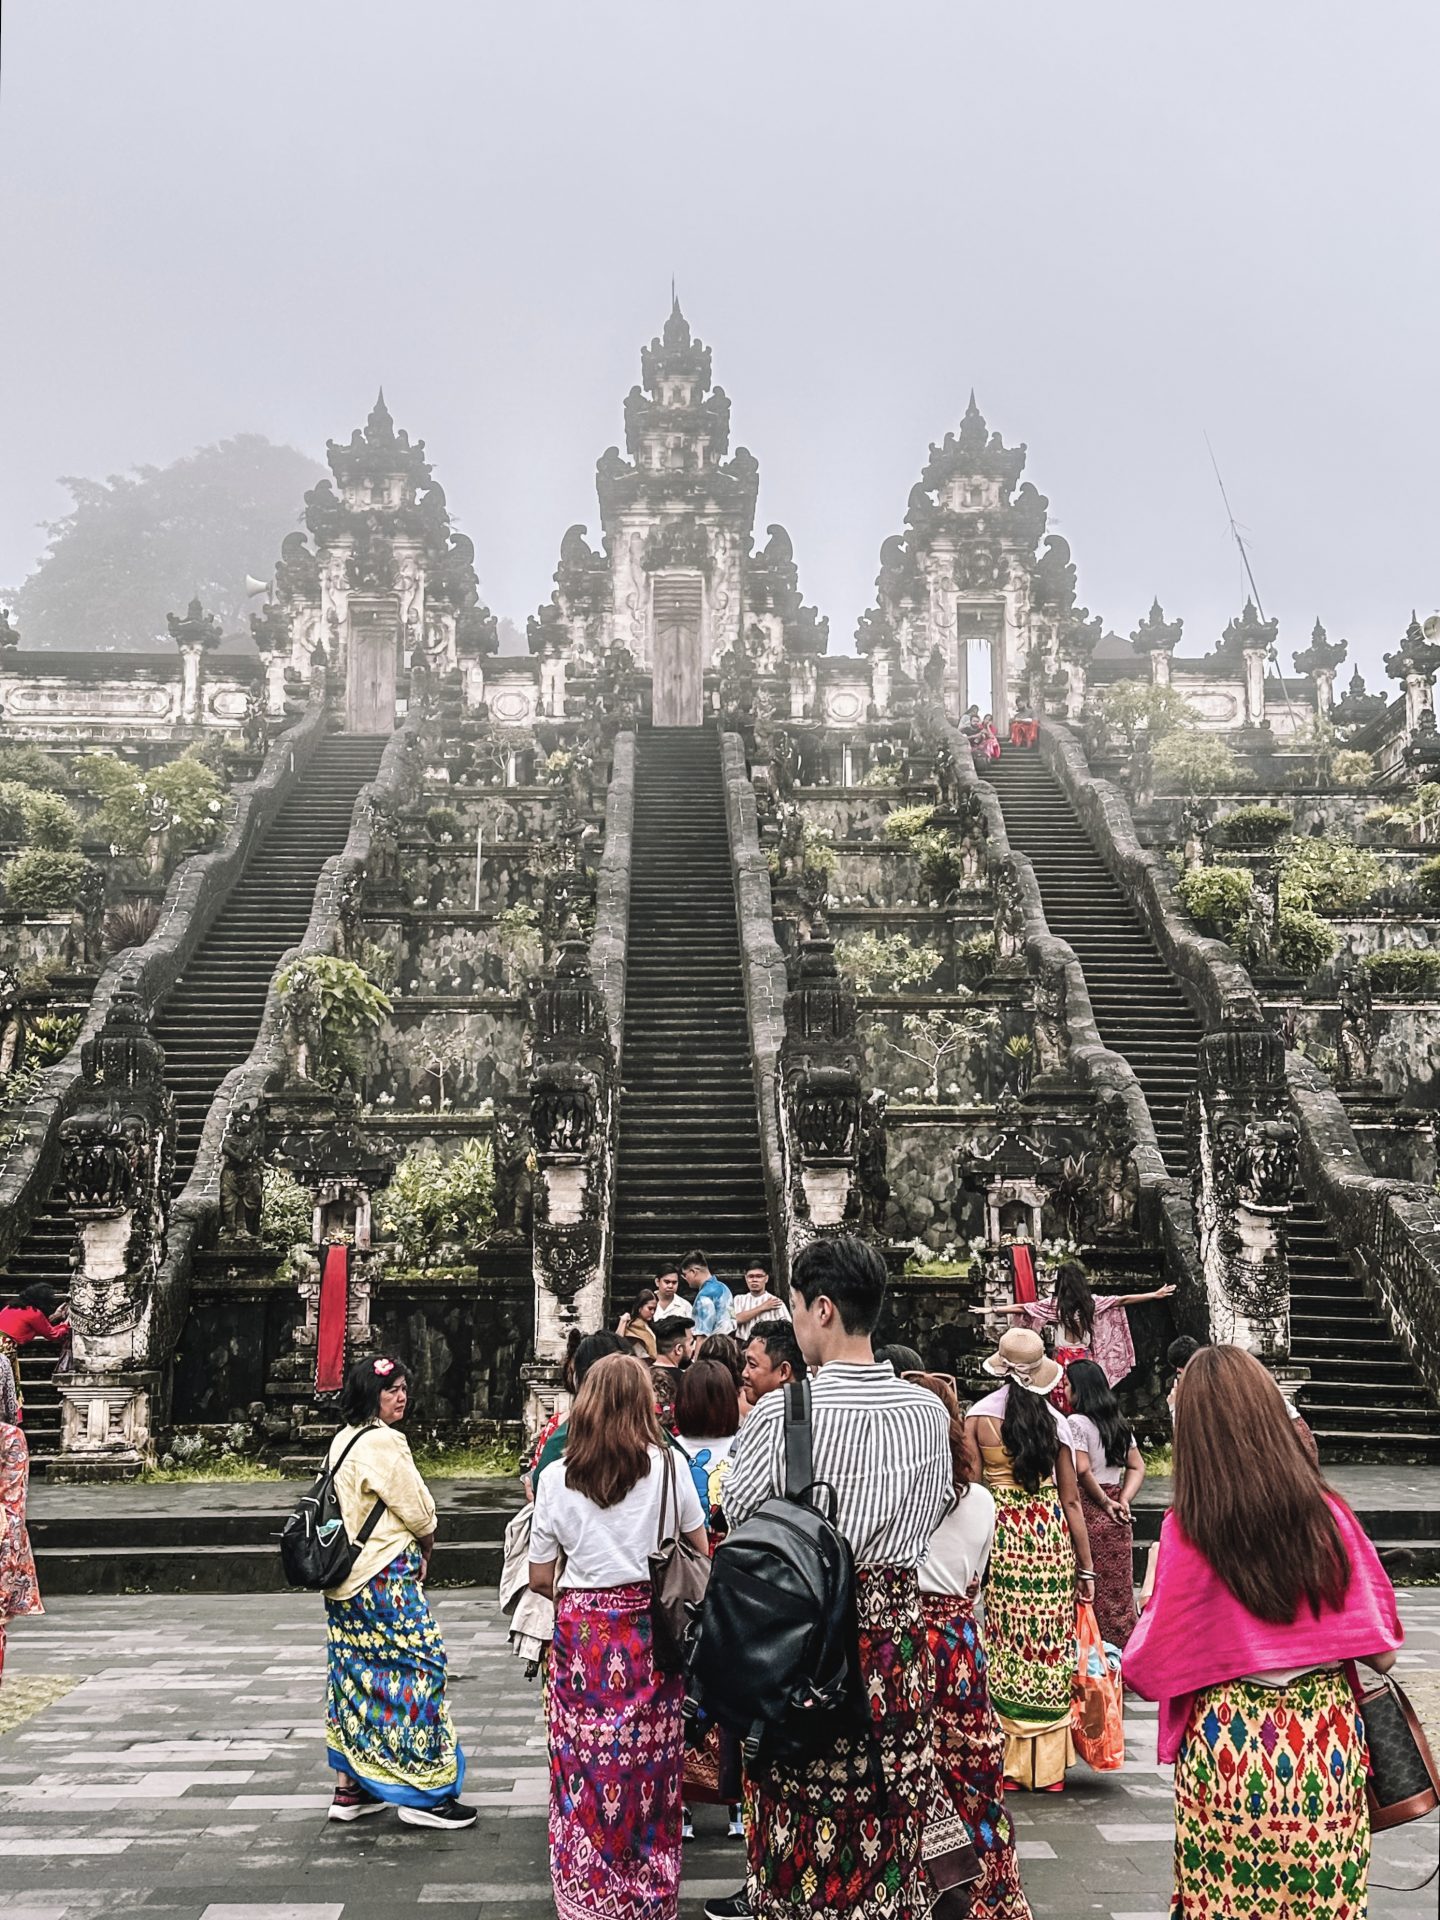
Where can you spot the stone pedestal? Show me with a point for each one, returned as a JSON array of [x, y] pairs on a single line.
[[105, 1421]]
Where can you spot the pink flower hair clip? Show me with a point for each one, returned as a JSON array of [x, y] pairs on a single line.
[[384, 1368]]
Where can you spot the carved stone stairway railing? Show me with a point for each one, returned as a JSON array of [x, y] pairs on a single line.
[[1389, 1228], [141, 976], [578, 1024], [763, 966], [332, 928], [1164, 1208]]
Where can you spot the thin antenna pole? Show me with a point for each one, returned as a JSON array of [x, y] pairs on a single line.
[[1239, 540]]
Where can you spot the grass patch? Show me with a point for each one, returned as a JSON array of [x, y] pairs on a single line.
[[227, 1466], [1159, 1461], [484, 1460]]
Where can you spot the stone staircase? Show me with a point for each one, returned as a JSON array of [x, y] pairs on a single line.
[[209, 1021], [1364, 1398], [690, 1169]]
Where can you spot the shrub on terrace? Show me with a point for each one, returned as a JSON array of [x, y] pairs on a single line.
[[345, 1006], [1254, 826], [1189, 761], [1219, 900], [32, 816], [433, 1202], [1412, 971], [130, 923], [183, 797], [45, 881], [1427, 878], [287, 1213], [1352, 768], [941, 867], [1303, 941], [1328, 876], [886, 962], [30, 767], [1131, 705], [908, 823]]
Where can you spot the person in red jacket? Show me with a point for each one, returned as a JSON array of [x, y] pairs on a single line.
[[31, 1318]]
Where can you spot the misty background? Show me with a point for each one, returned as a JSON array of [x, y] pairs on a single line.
[[1124, 225]]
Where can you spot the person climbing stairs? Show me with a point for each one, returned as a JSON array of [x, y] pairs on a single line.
[[690, 1170], [209, 1021], [1364, 1396]]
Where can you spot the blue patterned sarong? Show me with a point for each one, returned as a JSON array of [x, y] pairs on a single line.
[[387, 1722]]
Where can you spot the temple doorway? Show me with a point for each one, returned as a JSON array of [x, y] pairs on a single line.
[[678, 684], [370, 679]]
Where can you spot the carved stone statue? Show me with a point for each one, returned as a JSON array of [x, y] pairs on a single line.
[[1009, 917], [512, 1183], [870, 1174], [1115, 1176], [1052, 1047], [242, 1174], [1357, 1028]]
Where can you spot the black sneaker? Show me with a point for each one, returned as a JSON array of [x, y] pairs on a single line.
[[447, 1813], [353, 1803], [735, 1906]]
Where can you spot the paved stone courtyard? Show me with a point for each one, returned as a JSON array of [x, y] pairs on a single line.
[[184, 1777]]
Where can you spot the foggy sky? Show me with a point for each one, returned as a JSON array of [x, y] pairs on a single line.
[[1124, 225]]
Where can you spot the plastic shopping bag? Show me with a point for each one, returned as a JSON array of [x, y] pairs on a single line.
[[1097, 1709]]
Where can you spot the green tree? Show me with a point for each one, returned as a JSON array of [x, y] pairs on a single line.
[[140, 544]]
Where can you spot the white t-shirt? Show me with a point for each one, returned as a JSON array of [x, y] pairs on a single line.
[[1087, 1437], [678, 1309], [774, 1309], [960, 1546], [608, 1546]]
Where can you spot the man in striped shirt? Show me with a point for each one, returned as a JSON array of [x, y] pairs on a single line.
[[818, 1839]]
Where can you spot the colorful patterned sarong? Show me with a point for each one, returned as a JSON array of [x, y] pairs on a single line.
[[19, 1592], [819, 1844], [1112, 1554], [388, 1725], [970, 1754], [1030, 1633], [616, 1753], [1270, 1813]]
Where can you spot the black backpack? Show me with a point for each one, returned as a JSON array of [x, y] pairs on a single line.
[[315, 1550], [775, 1657]]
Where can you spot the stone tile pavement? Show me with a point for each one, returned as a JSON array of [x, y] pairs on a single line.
[[183, 1778]]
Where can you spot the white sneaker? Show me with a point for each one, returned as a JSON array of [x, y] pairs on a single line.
[[448, 1813], [355, 1806], [736, 1828], [687, 1825]]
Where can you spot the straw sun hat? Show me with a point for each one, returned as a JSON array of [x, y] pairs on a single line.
[[1021, 1360]]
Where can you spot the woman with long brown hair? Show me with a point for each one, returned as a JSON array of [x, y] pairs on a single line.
[[1266, 1591], [616, 1740], [969, 1740]]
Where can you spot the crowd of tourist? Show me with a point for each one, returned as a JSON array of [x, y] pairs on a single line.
[[974, 1536]]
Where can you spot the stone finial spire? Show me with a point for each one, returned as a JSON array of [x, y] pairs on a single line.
[[677, 328]]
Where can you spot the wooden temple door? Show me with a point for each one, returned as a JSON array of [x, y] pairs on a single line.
[[678, 679], [370, 676]]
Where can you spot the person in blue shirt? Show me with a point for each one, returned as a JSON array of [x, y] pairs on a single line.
[[714, 1303]]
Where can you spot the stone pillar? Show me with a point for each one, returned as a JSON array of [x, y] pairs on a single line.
[[1417, 699], [1075, 692], [572, 1103], [881, 668], [1160, 662], [1324, 683], [1245, 1156], [190, 658], [552, 686], [1254, 686], [116, 1155]]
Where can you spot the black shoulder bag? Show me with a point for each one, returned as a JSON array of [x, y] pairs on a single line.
[[315, 1550]]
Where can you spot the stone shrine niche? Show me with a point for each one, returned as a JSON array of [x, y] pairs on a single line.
[[677, 619]]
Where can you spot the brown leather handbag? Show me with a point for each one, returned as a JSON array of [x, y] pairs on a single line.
[[679, 1575], [1403, 1783]]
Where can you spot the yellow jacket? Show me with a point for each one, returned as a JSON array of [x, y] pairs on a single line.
[[379, 1467]]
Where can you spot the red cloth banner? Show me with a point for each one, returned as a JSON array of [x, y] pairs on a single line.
[[334, 1312], [1022, 1261]]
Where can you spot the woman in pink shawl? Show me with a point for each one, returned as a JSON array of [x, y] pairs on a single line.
[[1266, 1594], [18, 1591], [1088, 1326]]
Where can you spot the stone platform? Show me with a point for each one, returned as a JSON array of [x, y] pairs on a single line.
[[220, 1537], [183, 1777]]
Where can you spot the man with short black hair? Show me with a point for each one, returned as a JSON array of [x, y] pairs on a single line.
[[672, 1351], [820, 1837], [758, 1302], [672, 1304], [772, 1359]]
